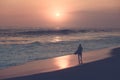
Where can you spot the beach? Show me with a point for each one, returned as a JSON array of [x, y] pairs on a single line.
[[100, 64], [39, 40]]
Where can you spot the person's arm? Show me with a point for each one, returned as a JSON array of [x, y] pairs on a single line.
[[76, 51]]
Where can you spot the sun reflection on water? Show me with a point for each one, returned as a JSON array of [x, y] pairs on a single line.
[[56, 39]]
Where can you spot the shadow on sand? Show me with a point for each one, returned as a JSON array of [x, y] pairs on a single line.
[[107, 69]]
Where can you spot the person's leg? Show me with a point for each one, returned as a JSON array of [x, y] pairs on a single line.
[[81, 59], [78, 58]]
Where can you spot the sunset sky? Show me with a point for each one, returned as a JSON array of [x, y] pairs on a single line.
[[59, 14]]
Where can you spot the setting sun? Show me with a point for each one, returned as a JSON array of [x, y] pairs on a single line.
[[58, 14]]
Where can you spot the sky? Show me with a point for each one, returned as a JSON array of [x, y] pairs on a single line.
[[60, 14]]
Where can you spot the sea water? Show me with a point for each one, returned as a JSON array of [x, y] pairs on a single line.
[[21, 46]]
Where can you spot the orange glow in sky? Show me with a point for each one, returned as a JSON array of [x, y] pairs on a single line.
[[39, 13]]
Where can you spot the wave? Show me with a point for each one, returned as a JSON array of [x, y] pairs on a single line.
[[35, 43], [45, 32], [36, 32], [40, 32], [53, 32]]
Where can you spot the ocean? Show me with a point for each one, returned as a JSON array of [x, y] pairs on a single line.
[[21, 46]]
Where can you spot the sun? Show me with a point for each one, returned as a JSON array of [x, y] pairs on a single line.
[[57, 14]]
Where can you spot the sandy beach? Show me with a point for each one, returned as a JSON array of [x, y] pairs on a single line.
[[101, 64]]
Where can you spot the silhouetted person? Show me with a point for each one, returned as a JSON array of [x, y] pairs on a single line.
[[79, 53]]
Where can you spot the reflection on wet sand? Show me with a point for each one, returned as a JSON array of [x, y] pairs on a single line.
[[63, 62]]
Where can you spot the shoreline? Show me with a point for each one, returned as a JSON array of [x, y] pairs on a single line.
[[54, 57], [54, 64]]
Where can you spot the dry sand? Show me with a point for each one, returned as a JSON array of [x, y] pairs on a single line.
[[101, 64]]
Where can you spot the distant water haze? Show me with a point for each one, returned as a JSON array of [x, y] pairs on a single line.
[[60, 14]]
